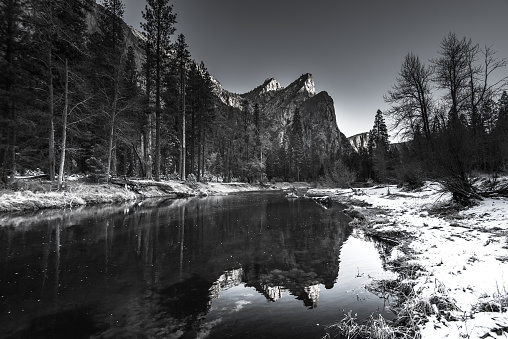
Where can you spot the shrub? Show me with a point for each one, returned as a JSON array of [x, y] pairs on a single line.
[[341, 175], [191, 181]]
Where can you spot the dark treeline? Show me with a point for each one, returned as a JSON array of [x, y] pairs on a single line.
[[75, 97], [452, 116], [78, 94]]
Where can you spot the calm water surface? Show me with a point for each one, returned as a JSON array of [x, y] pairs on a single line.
[[249, 266]]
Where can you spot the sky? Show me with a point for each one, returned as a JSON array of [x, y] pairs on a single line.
[[353, 49]]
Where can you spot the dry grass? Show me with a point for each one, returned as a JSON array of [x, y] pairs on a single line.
[[497, 303], [375, 328], [72, 196], [410, 307]]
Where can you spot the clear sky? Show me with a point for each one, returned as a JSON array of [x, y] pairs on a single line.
[[353, 48]]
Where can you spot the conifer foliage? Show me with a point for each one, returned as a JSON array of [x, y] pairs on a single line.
[[159, 27], [378, 147]]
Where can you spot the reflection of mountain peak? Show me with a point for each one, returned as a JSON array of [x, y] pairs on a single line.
[[273, 293], [313, 294], [227, 280]]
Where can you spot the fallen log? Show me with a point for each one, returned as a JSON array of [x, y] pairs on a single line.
[[122, 181], [29, 177], [311, 194], [385, 239]]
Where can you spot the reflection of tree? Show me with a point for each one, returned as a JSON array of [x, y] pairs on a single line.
[[384, 249]]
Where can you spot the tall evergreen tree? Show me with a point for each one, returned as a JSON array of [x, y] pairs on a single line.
[[159, 27], [379, 132], [129, 126], [14, 42], [206, 114], [378, 146], [182, 60], [200, 104], [108, 48]]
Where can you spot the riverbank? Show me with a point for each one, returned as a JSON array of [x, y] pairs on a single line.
[[34, 196], [452, 262]]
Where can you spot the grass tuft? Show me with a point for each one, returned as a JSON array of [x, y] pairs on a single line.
[[375, 328]]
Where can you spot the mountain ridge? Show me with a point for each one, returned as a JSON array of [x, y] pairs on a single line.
[[320, 131]]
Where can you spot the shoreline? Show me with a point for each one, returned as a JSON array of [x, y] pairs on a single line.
[[452, 262], [89, 194]]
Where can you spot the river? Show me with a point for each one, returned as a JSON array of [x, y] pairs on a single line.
[[246, 265]]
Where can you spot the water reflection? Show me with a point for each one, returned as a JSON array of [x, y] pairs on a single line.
[[157, 269]]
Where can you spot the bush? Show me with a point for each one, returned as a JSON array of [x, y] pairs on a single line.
[[96, 168], [191, 181], [174, 176], [340, 175], [411, 177], [206, 178]]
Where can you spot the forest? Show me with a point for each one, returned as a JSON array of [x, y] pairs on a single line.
[[77, 98]]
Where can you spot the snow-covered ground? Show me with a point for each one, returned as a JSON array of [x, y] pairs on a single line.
[[464, 254]]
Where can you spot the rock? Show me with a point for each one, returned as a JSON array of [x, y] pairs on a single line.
[[359, 141], [321, 135]]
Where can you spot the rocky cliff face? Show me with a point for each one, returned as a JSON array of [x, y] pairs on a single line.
[[133, 37], [320, 131], [359, 141]]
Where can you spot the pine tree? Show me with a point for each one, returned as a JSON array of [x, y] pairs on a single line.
[[192, 102], [200, 103], [130, 122], [379, 132], [14, 42], [107, 46], [159, 27], [378, 146], [206, 109], [182, 60]]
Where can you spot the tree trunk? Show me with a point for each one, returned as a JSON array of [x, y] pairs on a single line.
[[114, 153], [52, 162], [111, 168], [157, 143], [158, 67], [64, 126], [141, 168], [199, 149], [193, 143], [184, 150], [149, 158], [110, 145], [142, 159]]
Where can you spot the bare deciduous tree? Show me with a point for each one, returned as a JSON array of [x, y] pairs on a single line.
[[411, 97]]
